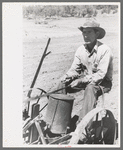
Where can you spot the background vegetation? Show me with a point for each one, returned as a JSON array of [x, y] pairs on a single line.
[[32, 12]]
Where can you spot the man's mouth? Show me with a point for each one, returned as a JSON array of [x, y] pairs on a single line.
[[86, 39], [87, 42]]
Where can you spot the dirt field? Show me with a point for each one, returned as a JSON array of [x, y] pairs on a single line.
[[65, 39]]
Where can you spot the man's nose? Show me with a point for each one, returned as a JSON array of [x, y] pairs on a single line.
[[85, 36]]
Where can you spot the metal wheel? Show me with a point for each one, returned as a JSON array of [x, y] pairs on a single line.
[[80, 133]]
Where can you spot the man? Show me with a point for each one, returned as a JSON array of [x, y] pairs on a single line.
[[92, 67]]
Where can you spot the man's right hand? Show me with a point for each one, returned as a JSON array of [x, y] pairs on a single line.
[[66, 78]]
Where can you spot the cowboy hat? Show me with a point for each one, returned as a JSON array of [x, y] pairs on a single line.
[[92, 23]]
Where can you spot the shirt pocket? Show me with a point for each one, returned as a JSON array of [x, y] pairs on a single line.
[[95, 65]]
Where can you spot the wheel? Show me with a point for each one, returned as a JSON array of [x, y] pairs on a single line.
[[104, 128]]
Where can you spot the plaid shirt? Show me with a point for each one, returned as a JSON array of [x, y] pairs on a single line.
[[94, 66]]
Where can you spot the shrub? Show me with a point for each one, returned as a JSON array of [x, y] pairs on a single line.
[[106, 10], [67, 10]]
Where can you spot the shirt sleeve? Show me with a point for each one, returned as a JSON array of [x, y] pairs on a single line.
[[102, 67], [75, 67]]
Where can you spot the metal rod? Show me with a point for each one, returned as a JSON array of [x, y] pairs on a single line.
[[38, 69], [40, 132], [47, 94]]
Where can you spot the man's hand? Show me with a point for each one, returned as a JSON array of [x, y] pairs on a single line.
[[79, 81], [63, 78], [66, 78], [76, 82]]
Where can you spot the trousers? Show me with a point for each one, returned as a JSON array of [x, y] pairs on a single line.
[[91, 94]]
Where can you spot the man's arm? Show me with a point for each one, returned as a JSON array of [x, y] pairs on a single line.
[[100, 73], [76, 67], [74, 70]]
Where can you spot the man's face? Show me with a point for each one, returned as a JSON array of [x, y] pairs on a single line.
[[89, 35]]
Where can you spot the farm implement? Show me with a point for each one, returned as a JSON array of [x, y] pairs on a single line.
[[58, 127]]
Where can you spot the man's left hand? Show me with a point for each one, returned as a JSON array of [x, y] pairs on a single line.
[[79, 81], [76, 82]]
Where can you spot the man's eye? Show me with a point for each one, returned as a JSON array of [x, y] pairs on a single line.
[[87, 32], [84, 32]]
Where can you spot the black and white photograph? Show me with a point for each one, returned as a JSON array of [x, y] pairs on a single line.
[[70, 80]]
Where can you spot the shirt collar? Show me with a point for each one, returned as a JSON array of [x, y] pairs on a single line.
[[94, 49], [96, 46]]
